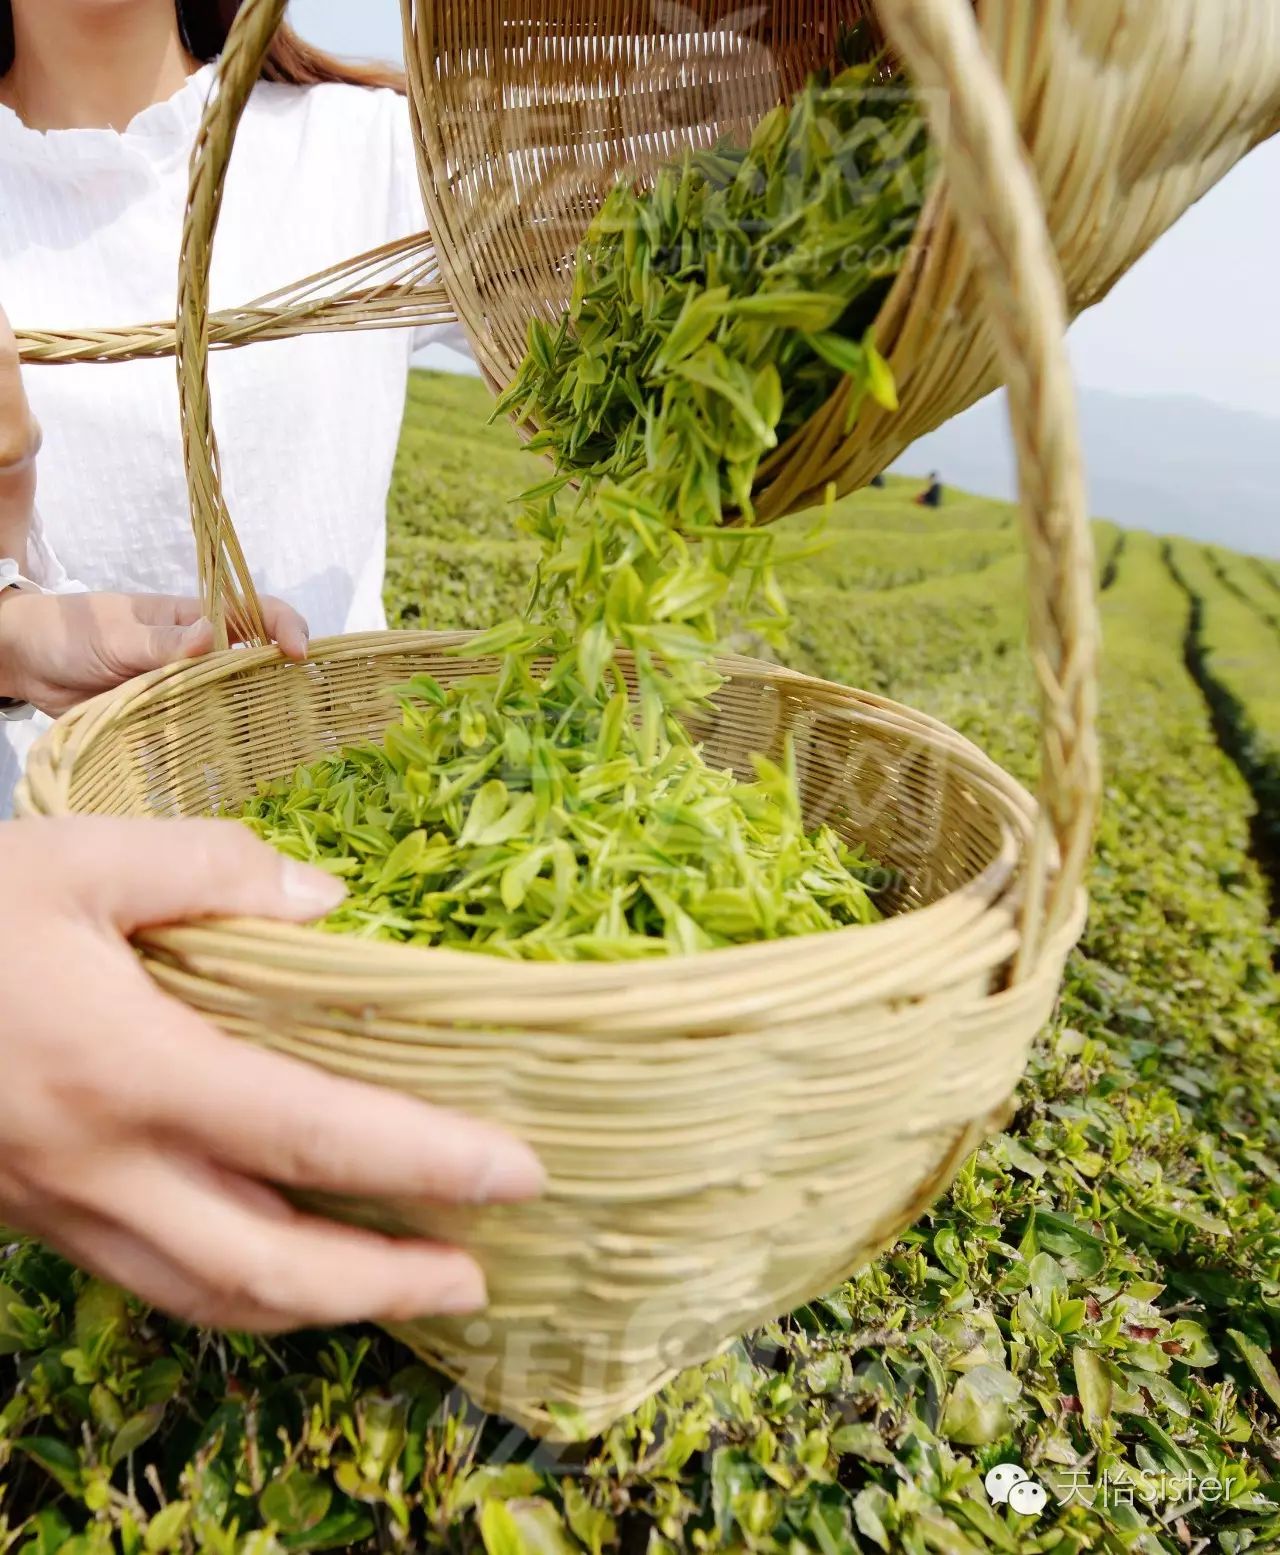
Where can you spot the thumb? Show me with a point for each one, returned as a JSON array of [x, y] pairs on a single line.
[[134, 874]]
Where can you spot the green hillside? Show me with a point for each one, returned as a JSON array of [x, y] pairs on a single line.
[[1098, 1298]]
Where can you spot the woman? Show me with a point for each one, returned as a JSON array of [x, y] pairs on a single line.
[[99, 105]]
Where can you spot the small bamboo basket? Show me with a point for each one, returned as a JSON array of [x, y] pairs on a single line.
[[729, 1134]]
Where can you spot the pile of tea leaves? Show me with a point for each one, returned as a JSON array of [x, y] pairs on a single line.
[[547, 810]]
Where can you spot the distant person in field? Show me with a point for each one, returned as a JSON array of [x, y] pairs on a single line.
[[931, 496]]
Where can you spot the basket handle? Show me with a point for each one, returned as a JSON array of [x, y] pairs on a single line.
[[999, 209], [396, 285], [227, 591]]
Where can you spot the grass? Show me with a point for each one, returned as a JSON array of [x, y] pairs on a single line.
[[1098, 1298]]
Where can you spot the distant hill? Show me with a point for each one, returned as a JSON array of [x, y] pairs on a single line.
[[1172, 465]]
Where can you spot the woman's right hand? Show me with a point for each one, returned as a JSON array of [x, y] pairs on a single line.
[[147, 1146], [58, 650], [19, 444]]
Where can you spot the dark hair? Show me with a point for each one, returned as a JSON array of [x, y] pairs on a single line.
[[204, 25]]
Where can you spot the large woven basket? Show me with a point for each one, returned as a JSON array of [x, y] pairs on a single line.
[[731, 1133]]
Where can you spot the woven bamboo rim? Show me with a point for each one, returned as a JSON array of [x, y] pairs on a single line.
[[726, 1134]]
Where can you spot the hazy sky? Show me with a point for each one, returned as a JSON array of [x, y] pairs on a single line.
[[1198, 315]]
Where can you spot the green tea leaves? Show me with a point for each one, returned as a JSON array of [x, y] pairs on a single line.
[[880, 384], [700, 317], [1259, 1363], [595, 652], [1093, 1384]]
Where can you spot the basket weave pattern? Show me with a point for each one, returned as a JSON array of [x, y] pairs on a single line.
[[731, 1133], [726, 1134]]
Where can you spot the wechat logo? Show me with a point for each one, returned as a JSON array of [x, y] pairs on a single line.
[[1008, 1484]]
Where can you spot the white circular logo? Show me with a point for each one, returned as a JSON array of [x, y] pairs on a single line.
[[1028, 1498], [1001, 1480]]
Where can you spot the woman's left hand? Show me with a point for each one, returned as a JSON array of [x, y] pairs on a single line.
[[19, 444], [58, 650]]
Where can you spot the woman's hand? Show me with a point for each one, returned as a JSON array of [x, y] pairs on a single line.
[[19, 444], [58, 650], [141, 1142]]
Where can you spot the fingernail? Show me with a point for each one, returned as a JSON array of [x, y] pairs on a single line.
[[314, 892], [511, 1174]]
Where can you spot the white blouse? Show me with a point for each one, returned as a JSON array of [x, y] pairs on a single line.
[[90, 229]]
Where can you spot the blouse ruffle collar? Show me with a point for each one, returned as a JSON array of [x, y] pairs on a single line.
[[156, 133]]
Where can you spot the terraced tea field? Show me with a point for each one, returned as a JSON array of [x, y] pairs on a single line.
[[1098, 1298]]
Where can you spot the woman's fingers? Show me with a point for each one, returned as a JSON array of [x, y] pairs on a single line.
[[290, 1123], [129, 1122], [250, 1258], [180, 629], [267, 1115], [287, 629], [103, 1248], [137, 649], [145, 873]]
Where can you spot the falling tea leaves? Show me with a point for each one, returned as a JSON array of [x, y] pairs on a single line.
[[550, 809]]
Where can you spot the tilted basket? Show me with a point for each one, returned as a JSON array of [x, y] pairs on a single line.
[[528, 110], [731, 1133]]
